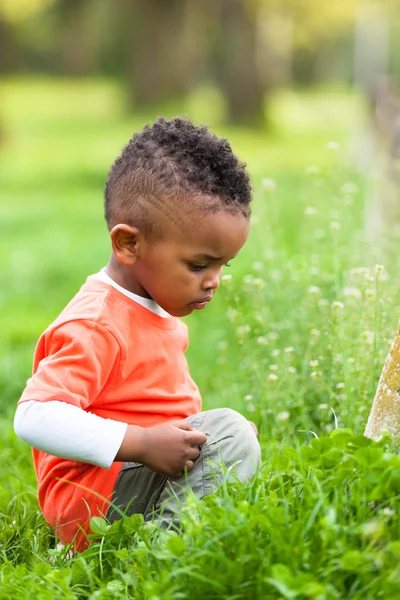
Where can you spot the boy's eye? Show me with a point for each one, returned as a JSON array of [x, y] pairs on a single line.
[[195, 267]]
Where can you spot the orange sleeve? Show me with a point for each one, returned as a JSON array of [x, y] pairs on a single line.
[[73, 363]]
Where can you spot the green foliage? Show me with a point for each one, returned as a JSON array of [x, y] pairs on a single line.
[[295, 340]]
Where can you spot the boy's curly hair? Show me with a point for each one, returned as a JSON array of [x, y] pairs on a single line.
[[174, 160]]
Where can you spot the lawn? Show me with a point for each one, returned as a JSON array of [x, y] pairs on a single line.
[[295, 340]]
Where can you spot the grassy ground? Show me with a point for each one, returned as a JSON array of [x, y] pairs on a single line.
[[296, 341]]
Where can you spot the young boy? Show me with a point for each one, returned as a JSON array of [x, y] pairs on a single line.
[[111, 411]]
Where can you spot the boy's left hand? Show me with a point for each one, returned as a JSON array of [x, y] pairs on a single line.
[[254, 427]]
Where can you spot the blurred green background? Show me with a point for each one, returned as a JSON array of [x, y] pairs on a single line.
[[293, 85]]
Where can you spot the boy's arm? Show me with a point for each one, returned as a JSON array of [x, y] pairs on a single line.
[[64, 430]]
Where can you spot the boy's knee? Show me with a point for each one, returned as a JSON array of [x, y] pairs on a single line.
[[231, 438]]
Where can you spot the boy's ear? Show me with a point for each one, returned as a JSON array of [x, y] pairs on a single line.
[[125, 241]]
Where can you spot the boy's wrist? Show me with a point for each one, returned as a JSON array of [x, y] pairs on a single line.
[[133, 445]]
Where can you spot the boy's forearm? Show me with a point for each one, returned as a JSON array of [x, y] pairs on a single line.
[[132, 447]]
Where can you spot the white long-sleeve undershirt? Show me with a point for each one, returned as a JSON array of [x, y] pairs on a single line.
[[66, 431]]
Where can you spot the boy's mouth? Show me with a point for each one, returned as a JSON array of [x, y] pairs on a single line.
[[200, 304]]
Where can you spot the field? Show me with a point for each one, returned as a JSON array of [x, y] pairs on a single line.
[[295, 340]]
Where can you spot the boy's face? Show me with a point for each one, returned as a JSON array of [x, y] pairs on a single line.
[[182, 271]]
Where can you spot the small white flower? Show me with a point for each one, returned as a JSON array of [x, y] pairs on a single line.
[[315, 374], [262, 340], [243, 330], [333, 146], [291, 370], [248, 279], [268, 183], [359, 271], [310, 211], [289, 350], [340, 385], [283, 416], [273, 367], [388, 512], [370, 293], [272, 377], [323, 406], [275, 352], [352, 292], [335, 226], [231, 314], [314, 270], [349, 188], [257, 266], [337, 305], [313, 290], [258, 282], [314, 363], [368, 337], [248, 398], [226, 278]]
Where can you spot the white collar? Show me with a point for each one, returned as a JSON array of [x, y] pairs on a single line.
[[148, 303]]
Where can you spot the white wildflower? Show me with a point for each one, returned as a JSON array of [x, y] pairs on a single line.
[[273, 367], [337, 305], [248, 398], [243, 330], [268, 183], [257, 266], [291, 370], [323, 406], [313, 290], [283, 416], [333, 146], [340, 385], [226, 278], [310, 211], [289, 350], [272, 376], [275, 352], [335, 225], [262, 340], [314, 363], [352, 292]]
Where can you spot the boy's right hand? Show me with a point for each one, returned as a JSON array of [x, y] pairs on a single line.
[[168, 448]]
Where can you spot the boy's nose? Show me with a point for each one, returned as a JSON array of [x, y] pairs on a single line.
[[212, 282]]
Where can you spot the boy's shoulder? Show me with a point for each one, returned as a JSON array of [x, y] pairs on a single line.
[[100, 303], [89, 303]]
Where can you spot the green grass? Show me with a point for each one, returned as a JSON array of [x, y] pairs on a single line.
[[295, 341]]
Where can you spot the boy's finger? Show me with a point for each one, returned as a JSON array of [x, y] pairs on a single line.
[[195, 437], [183, 425]]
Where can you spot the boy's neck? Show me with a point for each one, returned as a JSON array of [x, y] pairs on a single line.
[[123, 277]]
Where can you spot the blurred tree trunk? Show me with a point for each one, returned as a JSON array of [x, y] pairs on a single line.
[[237, 66], [75, 42], [159, 51]]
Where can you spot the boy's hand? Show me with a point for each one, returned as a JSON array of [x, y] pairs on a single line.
[[167, 448]]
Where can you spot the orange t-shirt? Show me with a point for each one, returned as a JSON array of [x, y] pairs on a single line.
[[110, 356]]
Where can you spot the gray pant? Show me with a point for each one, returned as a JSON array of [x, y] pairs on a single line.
[[230, 441]]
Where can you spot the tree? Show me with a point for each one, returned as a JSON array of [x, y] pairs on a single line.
[[385, 412]]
